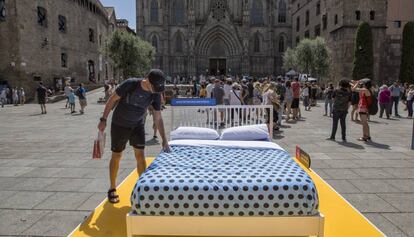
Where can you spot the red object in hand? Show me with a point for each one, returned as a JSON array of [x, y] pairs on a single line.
[[99, 146]]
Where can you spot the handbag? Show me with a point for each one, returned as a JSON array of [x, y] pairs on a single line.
[[99, 146]]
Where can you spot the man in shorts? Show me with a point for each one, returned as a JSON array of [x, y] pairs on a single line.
[[81, 93], [133, 96], [41, 97], [296, 95]]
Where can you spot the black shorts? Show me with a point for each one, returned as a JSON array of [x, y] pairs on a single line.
[[121, 135], [295, 103]]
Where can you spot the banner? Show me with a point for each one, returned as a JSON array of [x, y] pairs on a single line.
[[193, 102]]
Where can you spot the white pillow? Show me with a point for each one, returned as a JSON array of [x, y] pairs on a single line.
[[194, 133], [246, 133]]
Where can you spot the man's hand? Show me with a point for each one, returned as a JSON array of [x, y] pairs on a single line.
[[102, 126], [166, 147]]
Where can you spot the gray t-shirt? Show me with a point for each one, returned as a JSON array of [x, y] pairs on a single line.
[[218, 94], [134, 103]]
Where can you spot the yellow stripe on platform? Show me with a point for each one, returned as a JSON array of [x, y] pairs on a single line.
[[341, 218]]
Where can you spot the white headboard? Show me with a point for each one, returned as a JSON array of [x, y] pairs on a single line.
[[210, 116]]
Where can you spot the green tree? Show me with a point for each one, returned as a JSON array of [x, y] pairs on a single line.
[[131, 55], [321, 58], [304, 56], [407, 57], [363, 53], [311, 57], [289, 59]]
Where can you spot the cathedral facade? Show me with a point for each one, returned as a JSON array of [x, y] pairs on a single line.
[[216, 37]]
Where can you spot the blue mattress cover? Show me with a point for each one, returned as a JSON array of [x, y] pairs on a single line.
[[216, 181]]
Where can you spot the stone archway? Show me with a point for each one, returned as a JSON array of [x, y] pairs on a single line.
[[218, 50]]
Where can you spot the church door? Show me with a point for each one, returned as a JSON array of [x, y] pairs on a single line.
[[217, 66]]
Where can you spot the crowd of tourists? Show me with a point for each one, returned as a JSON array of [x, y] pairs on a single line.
[[285, 95], [13, 96]]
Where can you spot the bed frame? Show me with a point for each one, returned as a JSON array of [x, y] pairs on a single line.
[[223, 226]]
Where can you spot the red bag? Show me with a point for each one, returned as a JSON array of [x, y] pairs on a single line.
[[99, 146]]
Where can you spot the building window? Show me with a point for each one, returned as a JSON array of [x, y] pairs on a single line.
[[317, 30], [100, 39], [219, 10], [42, 16], [62, 23], [336, 19], [325, 21], [297, 23], [154, 42], [178, 15], [2, 10], [307, 34], [256, 44], [257, 12], [91, 70], [397, 24], [307, 18], [154, 11], [282, 11], [281, 44], [64, 60], [179, 43], [297, 40], [358, 15], [372, 15], [91, 35], [318, 8]]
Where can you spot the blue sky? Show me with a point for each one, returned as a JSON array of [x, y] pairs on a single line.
[[124, 9]]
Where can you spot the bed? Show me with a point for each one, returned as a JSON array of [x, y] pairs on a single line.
[[225, 188]]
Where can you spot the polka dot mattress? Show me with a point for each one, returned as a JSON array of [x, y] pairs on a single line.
[[217, 181]]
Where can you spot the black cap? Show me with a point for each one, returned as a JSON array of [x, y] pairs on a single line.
[[157, 79]]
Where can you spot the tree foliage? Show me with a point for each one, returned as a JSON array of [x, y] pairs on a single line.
[[309, 56], [407, 57], [289, 59], [131, 55], [363, 54]]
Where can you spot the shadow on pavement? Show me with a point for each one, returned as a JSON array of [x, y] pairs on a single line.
[[379, 145], [351, 145]]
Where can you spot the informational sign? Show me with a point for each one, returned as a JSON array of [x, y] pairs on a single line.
[[193, 102], [303, 157]]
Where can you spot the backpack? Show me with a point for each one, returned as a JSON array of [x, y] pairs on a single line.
[[373, 107], [78, 93]]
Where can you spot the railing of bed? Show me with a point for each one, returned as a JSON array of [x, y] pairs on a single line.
[[221, 116]]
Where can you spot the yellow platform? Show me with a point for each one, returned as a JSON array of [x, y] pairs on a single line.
[[341, 218]]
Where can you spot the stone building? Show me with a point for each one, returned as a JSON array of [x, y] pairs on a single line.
[[216, 36], [53, 41], [337, 21]]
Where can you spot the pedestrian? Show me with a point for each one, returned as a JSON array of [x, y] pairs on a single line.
[[203, 91], [395, 97], [67, 90], [227, 89], [281, 91], [328, 93], [133, 97], [270, 97], [305, 94], [296, 97], [365, 100], [209, 87], [342, 98], [355, 102], [71, 101], [289, 99], [384, 100], [218, 94], [15, 92], [3, 97], [22, 96], [410, 100], [41, 97], [235, 100], [81, 94]]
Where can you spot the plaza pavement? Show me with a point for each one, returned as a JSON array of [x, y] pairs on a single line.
[[49, 184]]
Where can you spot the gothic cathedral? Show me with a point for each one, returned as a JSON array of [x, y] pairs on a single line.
[[216, 37]]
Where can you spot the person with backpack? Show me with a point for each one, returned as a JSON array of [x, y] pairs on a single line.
[[81, 94], [342, 98], [366, 104], [131, 101], [384, 98], [329, 91]]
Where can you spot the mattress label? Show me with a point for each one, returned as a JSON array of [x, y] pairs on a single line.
[[303, 157]]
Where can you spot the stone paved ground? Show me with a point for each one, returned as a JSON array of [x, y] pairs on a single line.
[[49, 184]]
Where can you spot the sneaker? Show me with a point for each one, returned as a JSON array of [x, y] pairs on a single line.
[[330, 139], [344, 140]]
